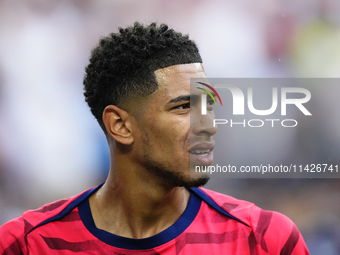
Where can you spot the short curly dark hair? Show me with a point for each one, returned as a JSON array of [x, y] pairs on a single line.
[[123, 64]]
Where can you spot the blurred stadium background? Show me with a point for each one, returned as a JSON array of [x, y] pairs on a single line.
[[50, 145]]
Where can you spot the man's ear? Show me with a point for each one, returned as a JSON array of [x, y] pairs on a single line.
[[118, 124]]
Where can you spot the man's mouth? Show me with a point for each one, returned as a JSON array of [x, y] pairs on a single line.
[[202, 153]]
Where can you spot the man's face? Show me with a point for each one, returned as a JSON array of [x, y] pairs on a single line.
[[164, 143]]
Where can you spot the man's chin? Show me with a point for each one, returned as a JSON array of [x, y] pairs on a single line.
[[196, 179], [177, 179], [196, 182]]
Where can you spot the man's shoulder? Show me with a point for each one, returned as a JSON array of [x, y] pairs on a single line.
[[228, 205], [13, 232], [247, 212], [272, 231], [39, 215]]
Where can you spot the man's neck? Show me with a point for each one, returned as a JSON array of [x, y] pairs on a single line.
[[129, 207]]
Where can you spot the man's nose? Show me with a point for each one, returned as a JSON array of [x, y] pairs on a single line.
[[204, 125]]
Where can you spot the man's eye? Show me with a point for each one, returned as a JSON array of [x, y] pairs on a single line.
[[211, 102], [183, 106]]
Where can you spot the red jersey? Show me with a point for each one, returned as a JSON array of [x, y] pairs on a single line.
[[212, 223]]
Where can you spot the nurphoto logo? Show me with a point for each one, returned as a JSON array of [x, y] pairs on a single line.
[[239, 104]]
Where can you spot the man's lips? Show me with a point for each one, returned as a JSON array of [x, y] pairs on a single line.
[[202, 148], [201, 153]]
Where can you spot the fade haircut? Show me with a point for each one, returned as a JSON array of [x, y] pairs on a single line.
[[123, 64]]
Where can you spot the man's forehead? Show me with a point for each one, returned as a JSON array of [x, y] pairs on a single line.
[[182, 68], [179, 74], [174, 81]]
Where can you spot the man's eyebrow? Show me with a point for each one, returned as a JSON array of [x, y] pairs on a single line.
[[191, 97], [213, 94], [183, 98]]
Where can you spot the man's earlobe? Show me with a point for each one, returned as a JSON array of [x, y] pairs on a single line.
[[117, 124]]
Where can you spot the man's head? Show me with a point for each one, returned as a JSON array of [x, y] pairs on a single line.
[[138, 87], [122, 65]]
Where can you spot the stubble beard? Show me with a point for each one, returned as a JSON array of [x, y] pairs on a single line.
[[165, 171]]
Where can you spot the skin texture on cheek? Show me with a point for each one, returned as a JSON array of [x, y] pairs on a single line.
[[171, 173]]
